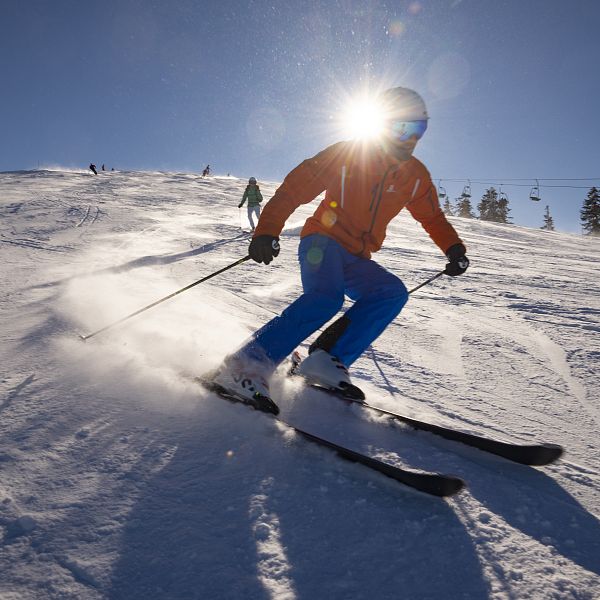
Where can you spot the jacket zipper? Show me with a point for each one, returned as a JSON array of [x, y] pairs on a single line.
[[373, 196], [382, 185]]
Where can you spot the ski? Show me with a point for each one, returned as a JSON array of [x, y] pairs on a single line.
[[435, 484], [526, 454]]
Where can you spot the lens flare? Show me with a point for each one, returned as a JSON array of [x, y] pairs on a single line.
[[363, 119], [396, 28], [415, 8]]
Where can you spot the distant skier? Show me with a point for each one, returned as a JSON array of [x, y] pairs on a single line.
[[206, 171], [254, 197], [93, 169], [366, 185], [103, 168]]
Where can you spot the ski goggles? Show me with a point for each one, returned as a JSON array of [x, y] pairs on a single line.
[[401, 131]]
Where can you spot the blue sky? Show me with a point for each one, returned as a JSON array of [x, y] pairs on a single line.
[[255, 87]]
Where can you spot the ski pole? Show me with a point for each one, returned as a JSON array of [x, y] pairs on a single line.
[[374, 356], [187, 287], [426, 282], [329, 336]]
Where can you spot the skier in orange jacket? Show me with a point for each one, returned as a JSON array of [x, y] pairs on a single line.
[[366, 185]]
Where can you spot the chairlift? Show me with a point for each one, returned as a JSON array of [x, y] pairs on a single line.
[[441, 191], [466, 193], [535, 192]]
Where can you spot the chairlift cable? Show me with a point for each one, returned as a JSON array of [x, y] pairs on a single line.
[[495, 183], [479, 180]]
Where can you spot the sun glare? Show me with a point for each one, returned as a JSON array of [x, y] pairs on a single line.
[[363, 119]]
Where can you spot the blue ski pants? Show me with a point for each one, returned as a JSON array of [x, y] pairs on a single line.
[[328, 273]]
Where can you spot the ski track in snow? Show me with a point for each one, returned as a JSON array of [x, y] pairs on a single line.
[[120, 479]]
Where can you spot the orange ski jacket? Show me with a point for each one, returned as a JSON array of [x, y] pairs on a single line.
[[365, 188]]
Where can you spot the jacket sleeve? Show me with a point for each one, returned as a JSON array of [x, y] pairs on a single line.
[[244, 197], [302, 185], [259, 195], [425, 208]]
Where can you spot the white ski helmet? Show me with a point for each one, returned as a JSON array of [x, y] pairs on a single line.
[[404, 104]]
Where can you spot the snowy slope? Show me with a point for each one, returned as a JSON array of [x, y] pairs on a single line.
[[120, 479]]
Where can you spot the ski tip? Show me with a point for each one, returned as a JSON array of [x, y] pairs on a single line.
[[449, 487], [82, 338], [546, 454], [435, 484]]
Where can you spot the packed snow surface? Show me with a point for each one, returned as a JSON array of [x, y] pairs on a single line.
[[120, 478]]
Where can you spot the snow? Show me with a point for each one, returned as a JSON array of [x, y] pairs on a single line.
[[121, 479]]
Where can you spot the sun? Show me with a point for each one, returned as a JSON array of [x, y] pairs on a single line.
[[363, 119]]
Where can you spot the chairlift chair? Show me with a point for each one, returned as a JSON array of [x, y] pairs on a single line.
[[466, 193], [535, 192], [441, 191]]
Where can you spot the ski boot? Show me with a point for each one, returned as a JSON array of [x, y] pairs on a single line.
[[245, 385], [321, 369]]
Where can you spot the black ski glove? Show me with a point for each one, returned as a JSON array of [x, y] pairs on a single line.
[[240, 205], [264, 248], [459, 263]]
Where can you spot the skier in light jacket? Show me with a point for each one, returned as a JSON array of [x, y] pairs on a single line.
[[366, 185], [254, 197]]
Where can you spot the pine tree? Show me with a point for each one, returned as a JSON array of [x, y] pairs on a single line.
[[447, 207], [463, 208], [503, 210], [548, 220], [488, 205], [493, 207], [590, 212]]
